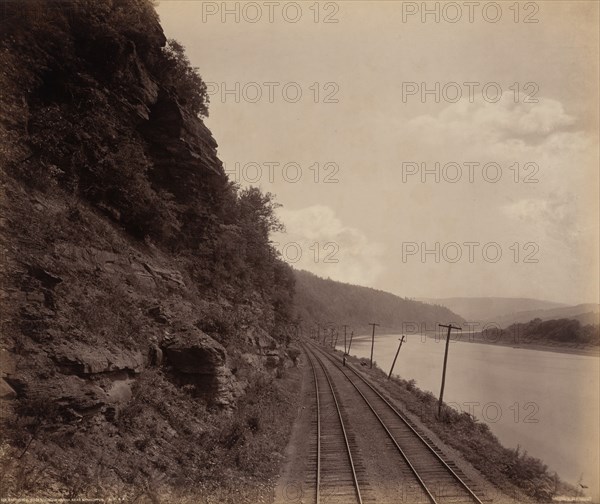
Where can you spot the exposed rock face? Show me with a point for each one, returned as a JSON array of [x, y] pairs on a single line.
[[191, 351], [181, 134], [72, 397], [200, 361], [260, 339], [81, 359], [134, 269], [104, 127], [118, 240]]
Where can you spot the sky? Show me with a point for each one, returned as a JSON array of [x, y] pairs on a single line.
[[431, 149]]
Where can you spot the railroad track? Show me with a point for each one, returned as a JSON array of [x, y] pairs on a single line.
[[336, 479], [441, 481]]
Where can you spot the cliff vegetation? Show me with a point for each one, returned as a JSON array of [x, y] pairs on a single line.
[[144, 347]]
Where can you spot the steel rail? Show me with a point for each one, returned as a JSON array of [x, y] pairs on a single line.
[[343, 428], [457, 478]]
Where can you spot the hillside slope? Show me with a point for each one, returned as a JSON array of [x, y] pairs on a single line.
[[328, 302], [557, 334], [141, 300]]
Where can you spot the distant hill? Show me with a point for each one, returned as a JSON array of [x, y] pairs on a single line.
[[585, 313], [325, 301], [492, 309], [561, 333]]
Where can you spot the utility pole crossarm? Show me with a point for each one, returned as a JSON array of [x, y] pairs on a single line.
[[450, 326]]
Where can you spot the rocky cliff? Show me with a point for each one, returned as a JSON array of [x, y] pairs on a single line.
[[141, 300]]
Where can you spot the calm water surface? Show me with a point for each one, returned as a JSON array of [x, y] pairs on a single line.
[[544, 402]]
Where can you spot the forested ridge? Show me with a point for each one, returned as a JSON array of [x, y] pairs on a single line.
[[330, 303], [556, 332]]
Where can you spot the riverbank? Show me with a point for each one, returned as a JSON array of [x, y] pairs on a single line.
[[587, 351]]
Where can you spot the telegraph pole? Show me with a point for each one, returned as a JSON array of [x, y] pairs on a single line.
[[345, 327], [398, 351], [372, 341], [350, 344], [450, 327]]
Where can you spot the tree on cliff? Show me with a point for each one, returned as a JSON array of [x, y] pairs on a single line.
[[178, 72]]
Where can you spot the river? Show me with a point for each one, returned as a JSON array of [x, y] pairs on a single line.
[[545, 402]]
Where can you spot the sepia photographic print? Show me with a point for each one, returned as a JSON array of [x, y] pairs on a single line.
[[299, 252]]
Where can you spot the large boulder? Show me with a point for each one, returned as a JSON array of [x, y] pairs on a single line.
[[200, 361], [261, 340], [192, 351]]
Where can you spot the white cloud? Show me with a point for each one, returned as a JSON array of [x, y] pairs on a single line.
[[557, 213], [498, 120], [316, 240]]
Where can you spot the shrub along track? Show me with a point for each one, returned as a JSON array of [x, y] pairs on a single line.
[[427, 477]]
